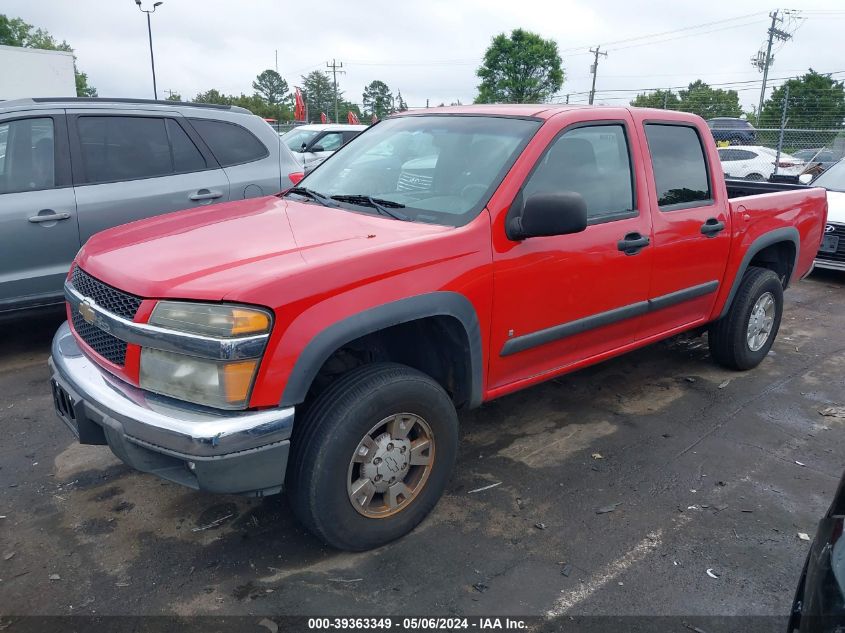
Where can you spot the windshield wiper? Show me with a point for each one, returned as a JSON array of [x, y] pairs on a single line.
[[379, 204], [314, 195]]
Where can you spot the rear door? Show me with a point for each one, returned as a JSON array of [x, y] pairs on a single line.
[[249, 153], [691, 226], [39, 236], [564, 299], [134, 165]]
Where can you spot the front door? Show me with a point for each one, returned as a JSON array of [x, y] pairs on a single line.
[[39, 236], [564, 299]]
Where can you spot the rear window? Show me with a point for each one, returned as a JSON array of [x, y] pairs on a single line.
[[230, 143], [679, 164]]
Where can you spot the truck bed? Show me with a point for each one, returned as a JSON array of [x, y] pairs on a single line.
[[740, 188]]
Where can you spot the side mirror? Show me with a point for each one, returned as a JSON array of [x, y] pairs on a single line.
[[546, 214], [317, 148], [805, 179], [303, 147]]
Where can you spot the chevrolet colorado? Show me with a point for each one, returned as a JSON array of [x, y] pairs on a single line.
[[322, 340]]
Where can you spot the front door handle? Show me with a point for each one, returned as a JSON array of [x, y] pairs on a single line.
[[205, 194], [632, 243], [48, 215], [712, 227]]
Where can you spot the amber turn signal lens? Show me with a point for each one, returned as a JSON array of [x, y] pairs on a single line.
[[249, 322], [237, 379]]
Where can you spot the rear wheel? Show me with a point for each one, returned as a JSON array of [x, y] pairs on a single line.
[[372, 456], [744, 336], [755, 176]]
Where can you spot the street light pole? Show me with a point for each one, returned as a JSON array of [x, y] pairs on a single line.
[[150, 35]]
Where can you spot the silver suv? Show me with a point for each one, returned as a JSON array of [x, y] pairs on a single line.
[[72, 167]]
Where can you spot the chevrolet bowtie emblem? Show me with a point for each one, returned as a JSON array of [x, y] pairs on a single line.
[[86, 310]]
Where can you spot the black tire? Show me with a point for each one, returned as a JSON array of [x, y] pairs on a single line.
[[325, 440], [755, 177], [728, 337]]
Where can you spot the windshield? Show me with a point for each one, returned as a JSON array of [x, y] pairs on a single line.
[[437, 169], [833, 178], [295, 138]]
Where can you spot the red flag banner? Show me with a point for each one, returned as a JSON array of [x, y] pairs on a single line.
[[323, 118], [353, 120], [299, 109]]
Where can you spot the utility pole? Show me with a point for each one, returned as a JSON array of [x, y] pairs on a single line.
[[594, 69], [170, 92], [277, 60], [567, 98], [334, 65], [762, 61]]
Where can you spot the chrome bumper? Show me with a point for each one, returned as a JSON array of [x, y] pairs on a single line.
[[236, 452], [829, 264]]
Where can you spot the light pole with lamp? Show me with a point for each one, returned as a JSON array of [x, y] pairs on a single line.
[[150, 34]]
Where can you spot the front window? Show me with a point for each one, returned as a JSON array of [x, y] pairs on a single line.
[[295, 139], [833, 178], [436, 169]]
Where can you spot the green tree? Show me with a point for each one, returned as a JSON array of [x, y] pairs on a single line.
[[270, 86], [319, 95], [16, 32], [815, 102], [213, 96], [522, 68], [664, 99], [707, 102], [377, 99], [343, 109], [401, 106], [174, 96]]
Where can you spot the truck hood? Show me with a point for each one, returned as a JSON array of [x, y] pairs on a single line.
[[836, 206], [221, 251]]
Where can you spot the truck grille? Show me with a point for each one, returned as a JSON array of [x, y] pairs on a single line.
[[839, 255], [109, 299]]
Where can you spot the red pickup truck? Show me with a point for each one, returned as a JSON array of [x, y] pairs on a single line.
[[322, 340]]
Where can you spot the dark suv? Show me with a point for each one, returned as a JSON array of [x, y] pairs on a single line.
[[732, 131]]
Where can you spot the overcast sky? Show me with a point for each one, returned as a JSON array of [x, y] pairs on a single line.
[[430, 49]]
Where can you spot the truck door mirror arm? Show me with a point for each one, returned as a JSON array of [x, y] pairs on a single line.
[[546, 214]]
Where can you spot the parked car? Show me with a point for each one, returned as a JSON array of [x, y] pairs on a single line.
[[732, 131], [754, 162], [832, 251], [313, 143], [819, 604], [817, 160], [72, 167], [323, 340]]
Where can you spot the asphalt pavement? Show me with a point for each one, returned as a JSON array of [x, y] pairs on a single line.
[[655, 483]]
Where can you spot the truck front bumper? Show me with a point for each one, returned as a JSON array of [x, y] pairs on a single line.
[[218, 451]]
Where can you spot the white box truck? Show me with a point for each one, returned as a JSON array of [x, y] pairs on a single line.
[[33, 72]]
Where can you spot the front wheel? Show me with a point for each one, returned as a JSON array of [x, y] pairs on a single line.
[[372, 456], [743, 337]]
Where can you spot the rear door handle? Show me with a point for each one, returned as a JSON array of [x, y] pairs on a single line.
[[632, 243], [48, 215], [712, 227], [205, 194]]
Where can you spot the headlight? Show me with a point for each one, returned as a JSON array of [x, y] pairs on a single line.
[[208, 319], [224, 384]]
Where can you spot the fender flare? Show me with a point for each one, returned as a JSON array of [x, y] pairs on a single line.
[[785, 234], [440, 303]]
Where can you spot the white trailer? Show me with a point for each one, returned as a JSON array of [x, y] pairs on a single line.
[[33, 72]]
